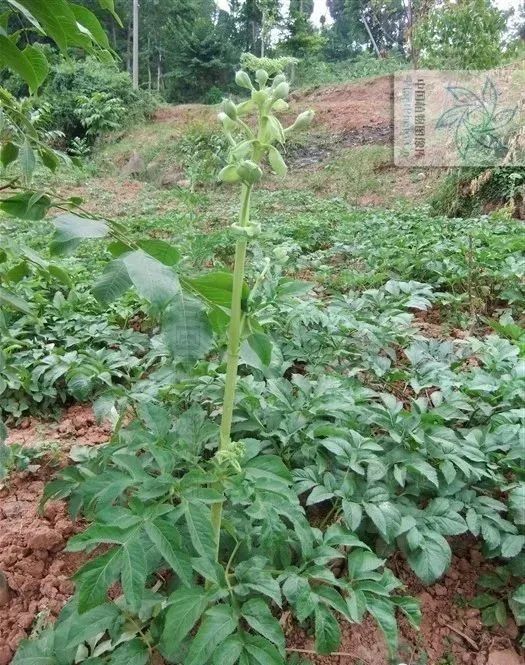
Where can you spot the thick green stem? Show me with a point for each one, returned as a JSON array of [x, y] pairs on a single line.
[[234, 336]]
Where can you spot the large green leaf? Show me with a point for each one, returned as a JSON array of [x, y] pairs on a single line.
[[216, 288], [432, 559], [113, 283], [72, 229], [26, 205], [229, 651], [154, 281], [383, 612], [198, 519], [186, 330], [8, 299], [90, 22], [95, 577], [8, 153], [134, 652], [77, 628], [186, 607], [517, 503], [327, 631], [160, 534], [18, 62], [133, 573], [218, 624], [37, 652], [257, 614], [110, 6], [261, 652], [38, 62], [160, 250]]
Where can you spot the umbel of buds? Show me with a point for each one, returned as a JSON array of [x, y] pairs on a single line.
[[251, 145]]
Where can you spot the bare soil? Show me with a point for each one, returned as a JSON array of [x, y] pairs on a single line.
[[32, 559], [33, 562]]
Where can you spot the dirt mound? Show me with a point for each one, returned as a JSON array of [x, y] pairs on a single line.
[[185, 114], [345, 108], [350, 107], [36, 568], [77, 426]]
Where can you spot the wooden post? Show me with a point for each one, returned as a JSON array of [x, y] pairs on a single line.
[[135, 44]]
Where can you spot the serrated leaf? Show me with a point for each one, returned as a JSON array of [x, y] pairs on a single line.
[[219, 622], [186, 607], [37, 652], [512, 545], [76, 628], [198, 519], [186, 329], [327, 631], [261, 652], [95, 577], [432, 559], [257, 614], [229, 651], [134, 652], [133, 572], [383, 612], [517, 604], [159, 532]]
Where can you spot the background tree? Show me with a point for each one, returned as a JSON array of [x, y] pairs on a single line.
[[466, 35]]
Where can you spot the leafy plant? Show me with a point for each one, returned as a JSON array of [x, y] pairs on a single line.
[[99, 113], [223, 517]]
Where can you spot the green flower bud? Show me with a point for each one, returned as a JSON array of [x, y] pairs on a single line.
[[280, 78], [229, 174], [249, 172], [229, 125], [303, 121], [230, 109], [243, 80], [261, 76], [259, 97], [276, 161], [280, 105], [281, 91]]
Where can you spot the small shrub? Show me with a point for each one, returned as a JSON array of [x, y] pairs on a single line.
[[87, 79], [313, 72]]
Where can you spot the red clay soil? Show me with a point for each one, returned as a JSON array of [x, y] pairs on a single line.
[[350, 106], [77, 426], [32, 558]]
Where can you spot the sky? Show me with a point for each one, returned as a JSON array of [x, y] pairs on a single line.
[[321, 10]]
